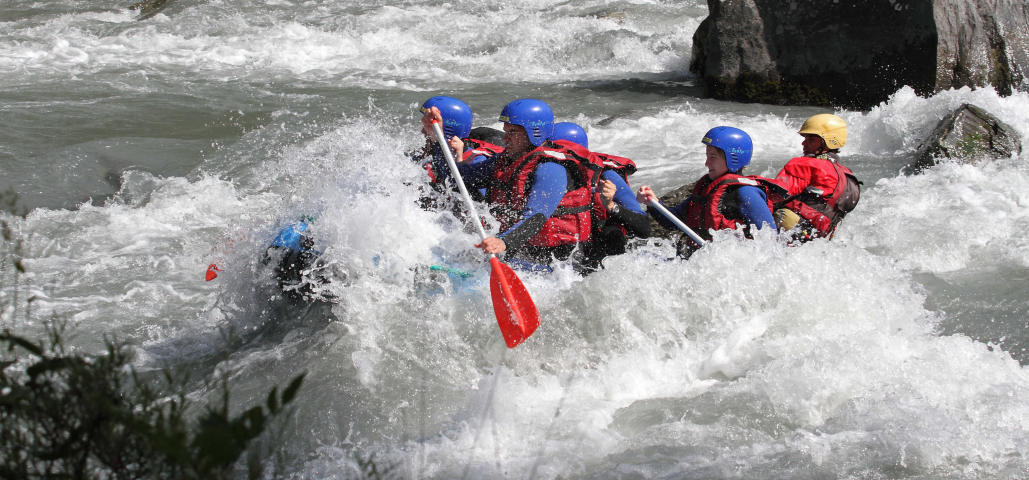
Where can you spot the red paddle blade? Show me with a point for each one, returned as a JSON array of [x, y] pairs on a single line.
[[211, 272], [516, 313]]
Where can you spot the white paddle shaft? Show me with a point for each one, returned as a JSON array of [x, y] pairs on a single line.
[[678, 223], [442, 139]]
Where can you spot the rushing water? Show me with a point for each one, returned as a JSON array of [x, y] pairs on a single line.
[[148, 149]]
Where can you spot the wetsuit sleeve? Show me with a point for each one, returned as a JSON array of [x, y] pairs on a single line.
[[476, 159], [549, 185], [637, 224], [678, 210], [754, 206], [631, 214], [477, 172], [624, 196], [435, 161]]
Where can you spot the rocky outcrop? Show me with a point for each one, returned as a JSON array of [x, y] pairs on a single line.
[[984, 42], [148, 8], [856, 54], [969, 134]]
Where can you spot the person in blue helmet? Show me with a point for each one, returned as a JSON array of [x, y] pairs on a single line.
[[570, 132], [455, 116], [723, 198], [540, 192], [617, 214], [298, 269]]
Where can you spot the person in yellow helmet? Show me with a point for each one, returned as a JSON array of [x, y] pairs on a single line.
[[820, 190]]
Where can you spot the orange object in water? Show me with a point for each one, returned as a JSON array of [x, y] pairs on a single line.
[[212, 274], [516, 313]]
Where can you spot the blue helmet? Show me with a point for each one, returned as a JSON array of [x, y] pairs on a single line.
[[734, 143], [457, 115], [535, 116], [571, 132]]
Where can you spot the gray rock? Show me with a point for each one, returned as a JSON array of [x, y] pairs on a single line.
[[968, 134], [856, 53], [677, 196], [148, 8], [670, 199], [982, 42]]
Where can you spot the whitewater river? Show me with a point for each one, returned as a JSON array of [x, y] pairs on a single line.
[[146, 150]]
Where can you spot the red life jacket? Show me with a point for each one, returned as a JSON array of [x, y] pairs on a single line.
[[472, 148], [620, 165], [508, 193], [708, 208], [832, 191]]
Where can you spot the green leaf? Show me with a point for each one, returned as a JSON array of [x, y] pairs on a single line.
[[254, 423], [291, 391], [49, 365], [23, 343], [273, 400]]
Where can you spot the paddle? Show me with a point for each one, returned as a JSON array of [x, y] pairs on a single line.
[[678, 223], [515, 310], [212, 270]]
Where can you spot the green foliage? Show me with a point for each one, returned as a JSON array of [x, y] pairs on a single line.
[[9, 204], [70, 415], [970, 145], [751, 88]]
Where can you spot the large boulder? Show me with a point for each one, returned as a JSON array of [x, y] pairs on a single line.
[[968, 134], [855, 54]]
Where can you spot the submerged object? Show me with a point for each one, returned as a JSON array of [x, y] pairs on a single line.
[[451, 271], [443, 279], [298, 268]]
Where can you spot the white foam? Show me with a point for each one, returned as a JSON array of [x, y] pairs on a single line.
[[953, 216], [369, 47], [752, 359]]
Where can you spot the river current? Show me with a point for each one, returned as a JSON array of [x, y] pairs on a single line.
[[144, 150]]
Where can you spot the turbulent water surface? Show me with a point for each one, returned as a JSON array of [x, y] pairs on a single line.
[[148, 149]]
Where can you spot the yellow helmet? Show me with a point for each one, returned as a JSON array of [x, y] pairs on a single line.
[[831, 128]]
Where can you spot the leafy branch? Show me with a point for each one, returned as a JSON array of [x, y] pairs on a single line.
[[69, 415]]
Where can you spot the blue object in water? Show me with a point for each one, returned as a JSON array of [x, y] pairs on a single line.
[[290, 236], [450, 271], [527, 266]]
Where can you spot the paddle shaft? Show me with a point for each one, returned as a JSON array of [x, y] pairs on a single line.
[[516, 313], [445, 147], [678, 223]]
